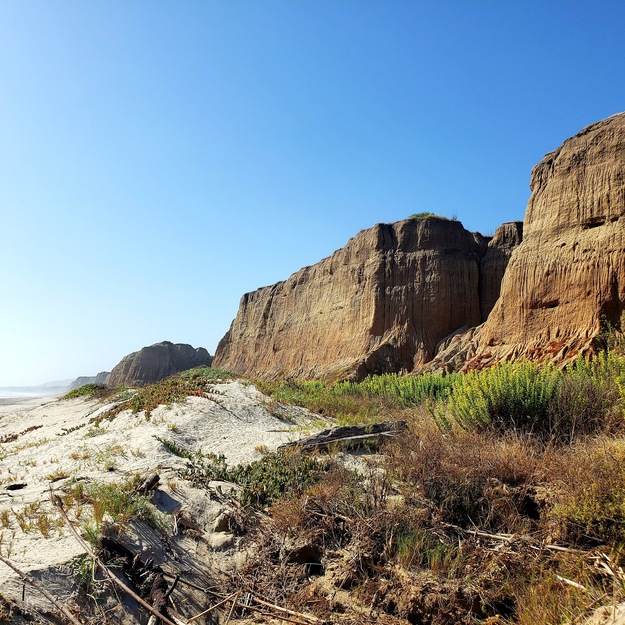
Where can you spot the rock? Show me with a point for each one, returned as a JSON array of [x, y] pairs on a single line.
[[101, 378], [219, 541], [156, 362], [381, 303], [493, 266], [569, 272], [81, 381], [608, 615]]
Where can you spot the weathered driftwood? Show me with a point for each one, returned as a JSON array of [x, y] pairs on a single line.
[[149, 484], [353, 434], [118, 582], [31, 582]]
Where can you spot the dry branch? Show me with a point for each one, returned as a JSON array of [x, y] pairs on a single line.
[[313, 619], [213, 607], [31, 582]]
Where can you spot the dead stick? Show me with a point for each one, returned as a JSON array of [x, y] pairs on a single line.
[[314, 619], [570, 582], [43, 591], [214, 607], [171, 588], [251, 608], [234, 603], [59, 504]]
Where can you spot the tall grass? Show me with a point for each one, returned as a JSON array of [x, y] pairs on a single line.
[[365, 401], [526, 397], [508, 397]]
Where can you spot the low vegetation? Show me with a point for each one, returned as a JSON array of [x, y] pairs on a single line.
[[361, 402], [498, 508], [88, 390], [504, 503], [263, 481], [176, 388], [102, 505]]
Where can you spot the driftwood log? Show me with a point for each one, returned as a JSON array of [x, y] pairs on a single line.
[[352, 434]]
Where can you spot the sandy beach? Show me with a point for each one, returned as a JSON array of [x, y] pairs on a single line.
[[49, 444], [17, 404]]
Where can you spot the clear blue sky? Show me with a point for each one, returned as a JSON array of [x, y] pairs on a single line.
[[160, 158]]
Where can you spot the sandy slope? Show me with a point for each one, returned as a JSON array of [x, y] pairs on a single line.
[[64, 446]]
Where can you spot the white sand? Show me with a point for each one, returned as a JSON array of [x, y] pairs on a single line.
[[238, 422]]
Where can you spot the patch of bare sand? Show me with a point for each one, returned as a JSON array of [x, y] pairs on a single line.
[[52, 444]]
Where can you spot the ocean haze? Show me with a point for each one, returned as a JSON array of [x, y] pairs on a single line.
[[47, 389]]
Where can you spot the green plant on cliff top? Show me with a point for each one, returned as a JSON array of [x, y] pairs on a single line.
[[425, 215]]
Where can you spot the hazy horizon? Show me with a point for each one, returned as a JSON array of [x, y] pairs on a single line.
[[161, 159]]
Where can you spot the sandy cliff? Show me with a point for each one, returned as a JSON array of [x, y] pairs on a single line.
[[569, 271], [156, 362], [381, 303]]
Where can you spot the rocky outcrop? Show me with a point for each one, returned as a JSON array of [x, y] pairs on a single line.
[[569, 272], [156, 362], [101, 378], [493, 266], [381, 303]]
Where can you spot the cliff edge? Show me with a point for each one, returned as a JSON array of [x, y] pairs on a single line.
[[381, 303], [568, 274]]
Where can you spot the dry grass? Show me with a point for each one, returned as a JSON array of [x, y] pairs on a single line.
[[411, 543]]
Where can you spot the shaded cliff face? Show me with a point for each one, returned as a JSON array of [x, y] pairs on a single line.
[[101, 378], [569, 271], [156, 362], [493, 266], [381, 303]]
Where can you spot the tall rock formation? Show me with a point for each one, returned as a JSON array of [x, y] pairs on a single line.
[[156, 362], [100, 378], [569, 271], [493, 266], [381, 303]]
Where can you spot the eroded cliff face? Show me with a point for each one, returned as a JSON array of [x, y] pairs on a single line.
[[100, 378], [156, 362], [569, 271], [381, 303], [493, 266]]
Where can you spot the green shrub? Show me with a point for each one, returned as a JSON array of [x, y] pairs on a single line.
[[425, 215], [264, 481], [87, 390], [507, 397]]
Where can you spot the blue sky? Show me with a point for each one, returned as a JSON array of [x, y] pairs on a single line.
[[160, 158]]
